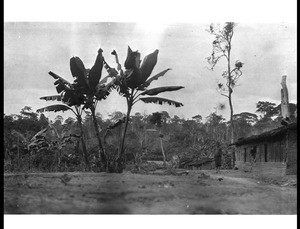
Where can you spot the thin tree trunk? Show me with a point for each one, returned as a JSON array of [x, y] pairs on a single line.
[[29, 161], [162, 150], [18, 155], [231, 120], [102, 154], [229, 94], [231, 130], [230, 104]]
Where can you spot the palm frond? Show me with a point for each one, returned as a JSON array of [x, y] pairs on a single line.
[[161, 101], [155, 91], [54, 108]]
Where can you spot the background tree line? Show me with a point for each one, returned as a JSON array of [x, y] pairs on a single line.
[[149, 137]]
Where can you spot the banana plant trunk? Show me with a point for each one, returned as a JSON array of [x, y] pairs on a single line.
[[58, 160], [85, 155], [102, 154], [129, 107]]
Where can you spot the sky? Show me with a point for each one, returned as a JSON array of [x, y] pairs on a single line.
[[267, 49]]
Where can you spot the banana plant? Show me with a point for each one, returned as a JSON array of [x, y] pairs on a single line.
[[87, 83], [23, 141], [78, 114], [62, 139], [86, 90], [57, 141], [133, 85]]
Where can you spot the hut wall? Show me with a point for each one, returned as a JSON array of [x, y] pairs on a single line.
[[276, 152], [264, 168], [292, 153], [266, 151]]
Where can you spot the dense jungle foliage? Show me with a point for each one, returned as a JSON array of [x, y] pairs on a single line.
[[32, 142]]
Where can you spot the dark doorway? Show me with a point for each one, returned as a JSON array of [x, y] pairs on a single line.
[[266, 153]]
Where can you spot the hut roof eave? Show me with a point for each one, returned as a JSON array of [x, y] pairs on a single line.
[[266, 135]]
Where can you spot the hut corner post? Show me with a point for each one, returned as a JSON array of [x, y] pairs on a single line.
[[285, 112]]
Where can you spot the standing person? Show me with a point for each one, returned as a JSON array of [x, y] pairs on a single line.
[[253, 157], [218, 157]]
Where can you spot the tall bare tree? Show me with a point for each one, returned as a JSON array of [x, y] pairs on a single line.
[[222, 48]]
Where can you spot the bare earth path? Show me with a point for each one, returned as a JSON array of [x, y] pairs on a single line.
[[199, 192]]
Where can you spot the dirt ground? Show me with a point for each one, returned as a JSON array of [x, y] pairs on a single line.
[[198, 192]]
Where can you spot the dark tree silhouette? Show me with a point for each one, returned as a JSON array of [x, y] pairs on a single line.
[[134, 80], [84, 93]]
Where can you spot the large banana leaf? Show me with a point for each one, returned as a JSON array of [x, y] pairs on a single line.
[[133, 73], [55, 108], [18, 134], [52, 98], [161, 101], [61, 83], [40, 133], [55, 76], [58, 135], [132, 59], [102, 90], [79, 73], [133, 78], [155, 77], [155, 91], [73, 97], [96, 70], [117, 123], [148, 64]]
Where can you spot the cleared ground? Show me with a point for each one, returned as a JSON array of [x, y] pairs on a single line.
[[198, 192]]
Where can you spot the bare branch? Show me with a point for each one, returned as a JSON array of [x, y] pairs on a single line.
[[214, 60], [225, 95]]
